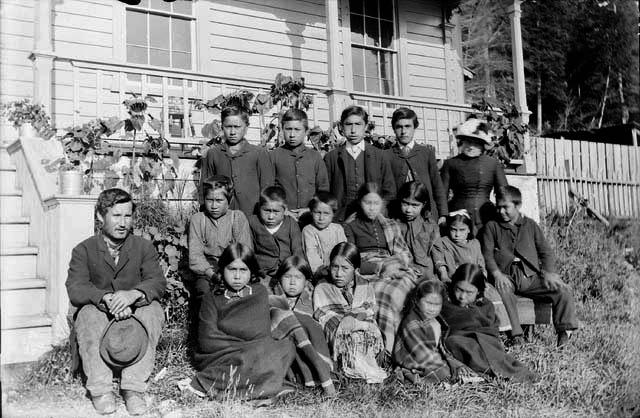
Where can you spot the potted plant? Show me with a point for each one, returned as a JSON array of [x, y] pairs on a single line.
[[29, 118], [76, 165], [508, 132]]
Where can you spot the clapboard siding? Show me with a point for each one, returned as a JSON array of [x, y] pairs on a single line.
[[422, 34], [83, 27], [262, 39], [16, 44]]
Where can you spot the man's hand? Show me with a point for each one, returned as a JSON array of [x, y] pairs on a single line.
[[122, 299], [442, 220], [126, 313], [552, 281], [503, 282]]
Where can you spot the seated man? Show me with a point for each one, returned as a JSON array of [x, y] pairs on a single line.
[[521, 262], [112, 277]]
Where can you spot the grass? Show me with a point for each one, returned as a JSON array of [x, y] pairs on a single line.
[[597, 375]]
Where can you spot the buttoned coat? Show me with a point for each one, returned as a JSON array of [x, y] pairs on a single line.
[[300, 172], [377, 169], [424, 167], [250, 170], [94, 273]]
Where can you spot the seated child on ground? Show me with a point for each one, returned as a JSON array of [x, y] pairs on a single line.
[[236, 354], [376, 236], [418, 350], [521, 262], [292, 314], [420, 233], [213, 230], [459, 247], [322, 234], [473, 328], [345, 306], [276, 235]]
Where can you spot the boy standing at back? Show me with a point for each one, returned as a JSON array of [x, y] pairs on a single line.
[[299, 170], [355, 163], [411, 161], [521, 262], [247, 165]]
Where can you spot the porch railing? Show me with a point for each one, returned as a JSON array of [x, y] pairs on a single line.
[[437, 118]]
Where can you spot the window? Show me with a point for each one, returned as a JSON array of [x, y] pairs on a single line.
[[159, 33], [373, 47]]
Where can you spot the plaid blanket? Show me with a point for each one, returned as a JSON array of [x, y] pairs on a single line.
[[418, 346], [391, 287]]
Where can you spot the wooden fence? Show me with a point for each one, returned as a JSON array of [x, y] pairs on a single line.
[[608, 175]]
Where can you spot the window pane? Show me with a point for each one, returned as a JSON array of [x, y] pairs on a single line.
[[159, 31], [136, 28], [180, 35], [183, 6], [181, 60], [386, 9], [357, 61], [159, 57], [387, 87], [386, 29], [372, 32], [355, 6], [160, 5], [371, 8], [357, 29], [371, 63], [386, 65], [358, 83], [136, 54], [373, 85]]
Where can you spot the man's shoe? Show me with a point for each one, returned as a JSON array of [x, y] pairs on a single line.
[[134, 402], [104, 404], [563, 338]]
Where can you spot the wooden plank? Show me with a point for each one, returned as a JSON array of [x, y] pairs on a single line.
[[608, 154], [598, 172]]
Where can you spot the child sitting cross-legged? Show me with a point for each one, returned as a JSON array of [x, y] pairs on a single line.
[[473, 328], [236, 356], [322, 234], [214, 229], [276, 235], [418, 352], [292, 315], [345, 306]]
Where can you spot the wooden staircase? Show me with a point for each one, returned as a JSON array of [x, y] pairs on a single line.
[[26, 327]]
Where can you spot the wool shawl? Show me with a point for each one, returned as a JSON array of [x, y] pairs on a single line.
[[331, 307], [473, 339], [418, 345], [236, 354], [396, 245]]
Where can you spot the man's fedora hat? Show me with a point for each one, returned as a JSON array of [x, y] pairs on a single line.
[[124, 342]]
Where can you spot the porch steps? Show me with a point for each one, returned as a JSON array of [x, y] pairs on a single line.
[[26, 327]]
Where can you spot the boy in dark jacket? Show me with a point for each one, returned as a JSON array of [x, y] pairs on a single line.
[[521, 262]]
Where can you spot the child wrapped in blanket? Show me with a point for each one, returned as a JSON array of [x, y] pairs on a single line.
[[345, 306], [292, 315]]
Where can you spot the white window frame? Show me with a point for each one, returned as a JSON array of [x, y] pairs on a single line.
[[397, 60]]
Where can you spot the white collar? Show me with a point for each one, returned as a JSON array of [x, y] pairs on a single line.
[[358, 147], [275, 228], [409, 146]]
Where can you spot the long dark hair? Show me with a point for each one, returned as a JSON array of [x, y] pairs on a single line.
[[423, 289], [238, 251], [417, 191], [348, 251], [293, 262], [470, 273]]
